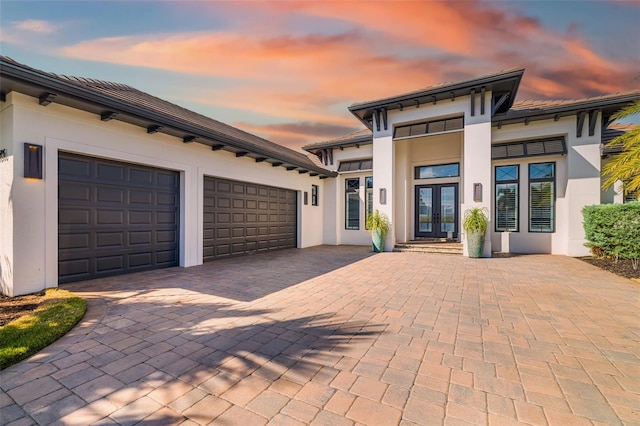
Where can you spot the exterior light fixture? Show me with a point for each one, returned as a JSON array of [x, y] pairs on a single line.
[[477, 192], [383, 195], [32, 161]]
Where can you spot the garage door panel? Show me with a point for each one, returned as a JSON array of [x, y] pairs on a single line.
[[74, 216], [140, 196], [233, 210], [128, 223], [109, 239], [74, 241]]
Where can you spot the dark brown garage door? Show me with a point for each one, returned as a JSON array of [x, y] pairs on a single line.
[[241, 218], [114, 218]]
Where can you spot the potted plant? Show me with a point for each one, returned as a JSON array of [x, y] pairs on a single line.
[[475, 225], [378, 225]]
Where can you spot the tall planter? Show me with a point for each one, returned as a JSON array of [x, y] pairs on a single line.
[[378, 225], [377, 240], [475, 225], [475, 243]]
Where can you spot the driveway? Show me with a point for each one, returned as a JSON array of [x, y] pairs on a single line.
[[335, 335]]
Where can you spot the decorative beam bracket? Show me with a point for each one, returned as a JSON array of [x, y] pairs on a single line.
[[108, 115], [580, 123], [46, 99], [593, 118], [154, 129]]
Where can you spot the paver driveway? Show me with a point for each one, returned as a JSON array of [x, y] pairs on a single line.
[[333, 335]]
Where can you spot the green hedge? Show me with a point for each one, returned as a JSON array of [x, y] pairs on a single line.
[[613, 230]]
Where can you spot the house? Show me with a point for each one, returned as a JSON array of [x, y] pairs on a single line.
[[427, 156], [99, 179]]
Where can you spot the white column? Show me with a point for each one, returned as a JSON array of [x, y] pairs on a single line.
[[383, 167], [476, 169], [583, 184]]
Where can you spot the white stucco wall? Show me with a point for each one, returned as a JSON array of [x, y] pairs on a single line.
[[577, 185], [29, 207]]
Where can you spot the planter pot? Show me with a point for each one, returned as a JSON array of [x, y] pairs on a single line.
[[475, 243], [377, 240]]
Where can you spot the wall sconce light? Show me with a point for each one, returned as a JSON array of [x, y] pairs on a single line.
[[383, 195], [46, 99], [32, 161], [477, 192]]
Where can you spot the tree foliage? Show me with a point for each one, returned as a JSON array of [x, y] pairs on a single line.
[[625, 166]]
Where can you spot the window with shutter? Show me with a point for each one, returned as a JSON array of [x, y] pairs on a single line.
[[507, 194], [542, 197]]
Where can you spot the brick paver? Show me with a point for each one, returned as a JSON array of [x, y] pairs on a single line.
[[334, 335]]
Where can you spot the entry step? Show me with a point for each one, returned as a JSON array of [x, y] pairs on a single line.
[[429, 247]]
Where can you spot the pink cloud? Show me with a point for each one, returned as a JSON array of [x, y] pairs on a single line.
[[380, 50]]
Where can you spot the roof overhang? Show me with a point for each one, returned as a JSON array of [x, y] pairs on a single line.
[[47, 88], [356, 142], [608, 106], [502, 85]]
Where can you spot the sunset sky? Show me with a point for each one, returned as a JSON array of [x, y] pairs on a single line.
[[288, 70]]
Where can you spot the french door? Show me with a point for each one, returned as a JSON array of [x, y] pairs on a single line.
[[437, 211]]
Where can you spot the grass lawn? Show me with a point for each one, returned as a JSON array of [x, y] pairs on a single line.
[[55, 315]]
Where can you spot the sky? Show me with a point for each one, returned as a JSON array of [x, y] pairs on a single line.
[[288, 70]]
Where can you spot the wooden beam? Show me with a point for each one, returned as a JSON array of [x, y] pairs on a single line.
[[473, 102], [189, 139], [303, 171], [289, 168], [46, 99], [241, 154], [154, 129], [377, 115], [108, 115], [217, 147], [276, 164], [384, 118], [260, 159], [580, 123], [593, 118], [482, 97]]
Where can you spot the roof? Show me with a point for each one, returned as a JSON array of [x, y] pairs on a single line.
[[503, 82], [545, 109], [613, 131], [139, 108], [361, 137]]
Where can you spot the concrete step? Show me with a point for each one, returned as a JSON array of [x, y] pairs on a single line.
[[444, 248]]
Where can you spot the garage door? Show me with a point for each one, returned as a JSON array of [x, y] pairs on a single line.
[[114, 218], [241, 218]]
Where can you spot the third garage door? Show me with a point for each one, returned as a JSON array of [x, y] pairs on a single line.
[[241, 218]]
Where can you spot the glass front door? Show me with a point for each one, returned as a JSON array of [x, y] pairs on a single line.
[[437, 211]]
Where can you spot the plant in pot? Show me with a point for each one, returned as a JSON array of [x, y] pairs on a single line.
[[475, 225], [378, 225]]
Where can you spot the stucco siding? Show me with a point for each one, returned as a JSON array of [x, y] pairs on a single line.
[[60, 128]]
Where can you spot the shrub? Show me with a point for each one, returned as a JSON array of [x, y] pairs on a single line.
[[613, 230]]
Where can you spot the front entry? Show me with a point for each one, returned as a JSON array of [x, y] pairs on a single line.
[[437, 211]]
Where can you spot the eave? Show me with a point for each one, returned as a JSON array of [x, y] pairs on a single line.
[[54, 90], [505, 83]]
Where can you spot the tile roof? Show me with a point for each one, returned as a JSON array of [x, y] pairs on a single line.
[[150, 103], [444, 85], [361, 136], [534, 105]]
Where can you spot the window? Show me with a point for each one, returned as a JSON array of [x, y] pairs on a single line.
[[368, 196], [354, 166], [429, 127], [352, 203], [507, 198], [542, 200], [532, 148], [439, 171], [314, 195]]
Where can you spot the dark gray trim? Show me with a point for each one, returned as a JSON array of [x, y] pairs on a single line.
[[525, 150], [342, 143]]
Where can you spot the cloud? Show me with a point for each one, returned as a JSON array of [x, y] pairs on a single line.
[[295, 135], [322, 56], [35, 26]]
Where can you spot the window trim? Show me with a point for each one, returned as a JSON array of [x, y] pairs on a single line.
[[511, 181], [540, 180], [314, 195], [347, 192]]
